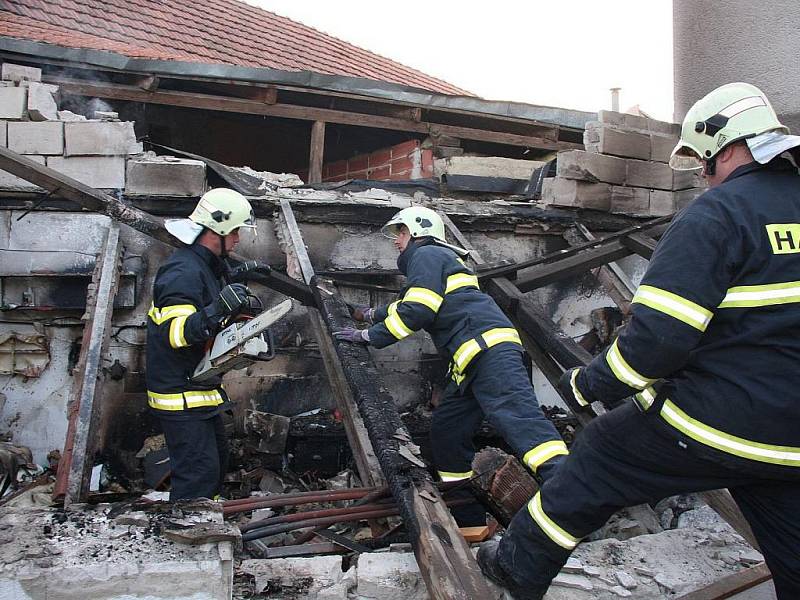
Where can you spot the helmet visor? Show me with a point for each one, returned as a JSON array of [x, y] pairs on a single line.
[[392, 229], [685, 159]]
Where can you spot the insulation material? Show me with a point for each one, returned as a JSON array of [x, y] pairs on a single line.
[[25, 355]]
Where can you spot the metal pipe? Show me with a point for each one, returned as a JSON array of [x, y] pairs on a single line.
[[252, 499], [313, 514], [292, 501]]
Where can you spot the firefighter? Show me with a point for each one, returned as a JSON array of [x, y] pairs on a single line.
[[711, 357], [487, 375], [191, 303]]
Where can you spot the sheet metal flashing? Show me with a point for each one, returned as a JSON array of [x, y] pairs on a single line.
[[336, 83]]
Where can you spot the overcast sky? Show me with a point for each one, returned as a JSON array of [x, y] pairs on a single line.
[[564, 53]]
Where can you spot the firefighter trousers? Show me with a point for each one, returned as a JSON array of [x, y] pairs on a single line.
[[198, 456], [625, 458], [500, 391]]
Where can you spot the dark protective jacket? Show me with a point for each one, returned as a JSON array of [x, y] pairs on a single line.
[[713, 346], [177, 333], [442, 297]]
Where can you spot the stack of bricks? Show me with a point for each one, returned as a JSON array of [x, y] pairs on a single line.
[[623, 170], [93, 152], [407, 160]]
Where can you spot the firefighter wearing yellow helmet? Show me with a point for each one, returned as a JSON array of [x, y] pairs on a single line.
[[192, 300], [710, 358], [487, 375]]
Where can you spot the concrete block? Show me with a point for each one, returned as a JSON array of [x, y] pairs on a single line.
[[637, 122], [390, 577], [3, 134], [100, 138], [14, 183], [648, 174], [630, 201], [588, 166], [557, 191], [608, 139], [41, 102], [485, 166], [662, 203], [12, 72], [103, 172], [13, 102], [684, 180], [661, 146], [28, 137], [299, 578], [165, 176]]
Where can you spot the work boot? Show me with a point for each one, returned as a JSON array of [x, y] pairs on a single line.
[[490, 565]]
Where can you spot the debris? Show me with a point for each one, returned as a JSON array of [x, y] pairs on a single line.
[[204, 533], [502, 482], [406, 453], [625, 579], [272, 483], [270, 430], [572, 581], [68, 115]]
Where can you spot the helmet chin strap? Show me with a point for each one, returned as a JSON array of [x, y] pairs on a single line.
[[223, 252], [711, 166]]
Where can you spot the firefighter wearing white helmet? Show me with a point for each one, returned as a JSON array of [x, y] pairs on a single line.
[[487, 378], [711, 357], [192, 300]]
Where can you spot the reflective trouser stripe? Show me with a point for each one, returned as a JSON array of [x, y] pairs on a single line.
[[448, 476], [575, 391], [469, 349], [425, 297], [745, 296], [192, 399], [646, 397], [537, 456], [705, 434], [673, 305], [551, 530], [396, 326], [623, 371], [459, 280]]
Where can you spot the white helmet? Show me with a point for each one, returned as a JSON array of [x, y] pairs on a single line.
[[222, 210]]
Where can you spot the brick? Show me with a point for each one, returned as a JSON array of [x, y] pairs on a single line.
[[103, 172], [380, 172], [630, 201], [637, 122], [662, 203], [337, 168], [358, 163], [100, 138], [380, 158], [41, 102], [402, 164], [557, 191], [647, 174], [12, 72], [3, 134], [587, 166], [404, 149], [401, 176], [661, 146], [357, 174], [427, 162], [12, 182], [165, 177], [28, 137], [13, 102], [627, 143]]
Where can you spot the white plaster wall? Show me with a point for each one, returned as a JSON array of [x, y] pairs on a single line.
[[737, 40]]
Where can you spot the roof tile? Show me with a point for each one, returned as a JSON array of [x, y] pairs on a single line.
[[240, 34]]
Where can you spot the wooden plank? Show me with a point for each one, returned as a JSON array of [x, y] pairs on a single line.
[[730, 585], [641, 244], [611, 276], [317, 152], [99, 324], [289, 111], [96, 201]]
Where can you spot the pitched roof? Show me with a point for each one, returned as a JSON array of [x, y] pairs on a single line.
[[207, 31]]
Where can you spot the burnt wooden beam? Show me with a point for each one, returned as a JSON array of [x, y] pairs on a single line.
[[641, 244], [132, 93], [731, 585], [96, 201], [75, 467], [316, 153]]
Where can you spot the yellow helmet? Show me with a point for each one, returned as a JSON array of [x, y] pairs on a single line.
[[730, 113]]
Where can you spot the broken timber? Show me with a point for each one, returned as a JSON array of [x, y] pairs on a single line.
[[96, 201], [73, 470], [444, 558]]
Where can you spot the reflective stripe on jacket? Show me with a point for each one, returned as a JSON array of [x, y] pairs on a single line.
[[713, 345], [442, 296], [177, 333]]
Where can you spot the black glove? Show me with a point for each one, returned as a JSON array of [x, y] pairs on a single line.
[[361, 312], [228, 303], [239, 271], [568, 388], [354, 336]]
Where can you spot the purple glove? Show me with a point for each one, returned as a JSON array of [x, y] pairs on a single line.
[[350, 334], [361, 313]]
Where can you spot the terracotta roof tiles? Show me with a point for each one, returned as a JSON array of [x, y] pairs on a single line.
[[239, 34]]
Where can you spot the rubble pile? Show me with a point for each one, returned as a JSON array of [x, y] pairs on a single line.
[[623, 170]]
